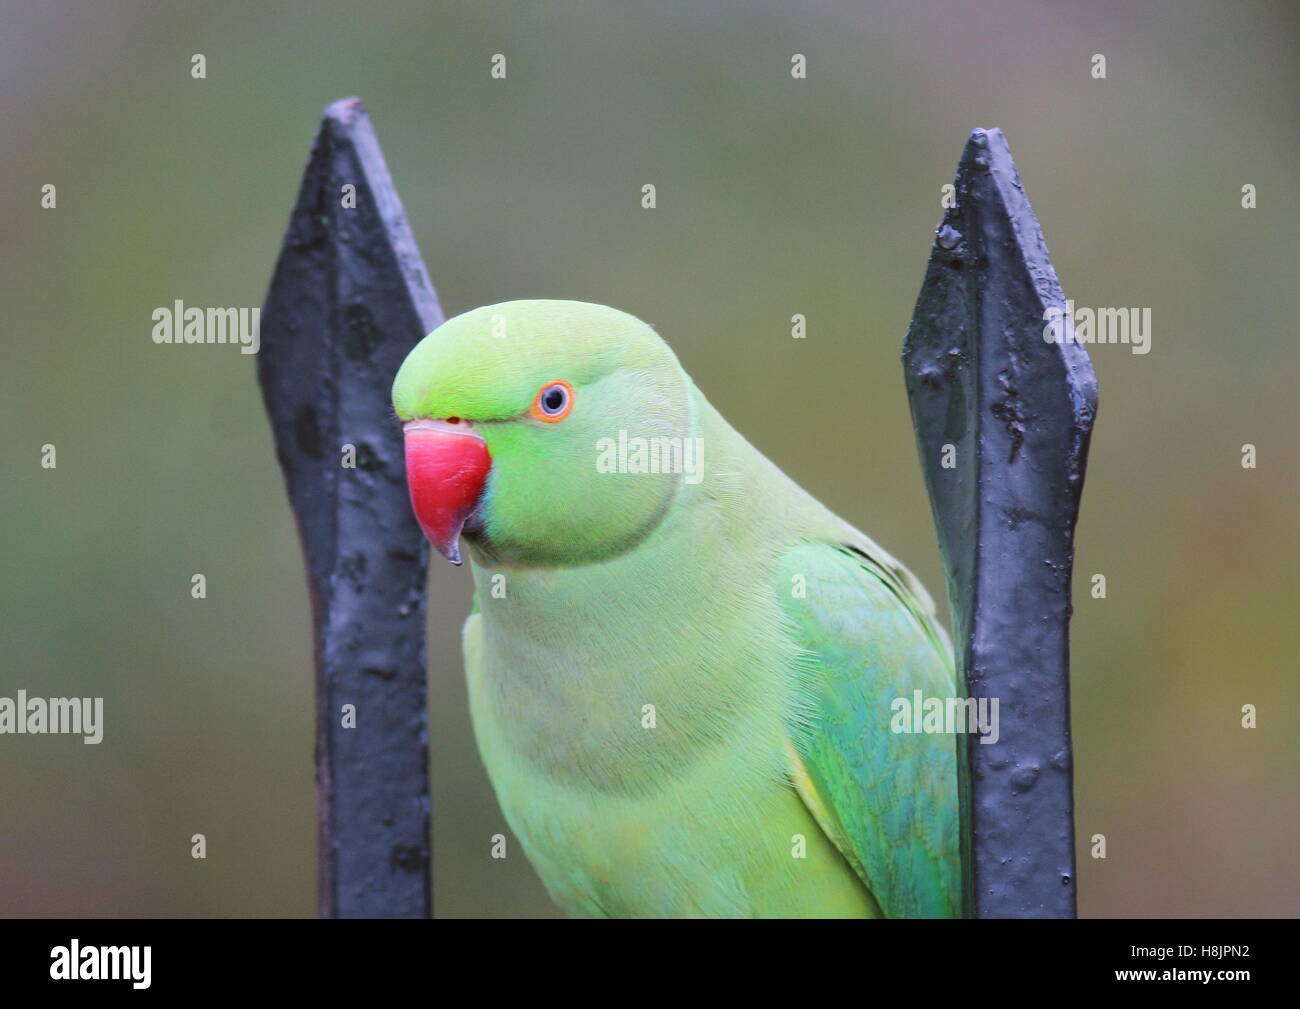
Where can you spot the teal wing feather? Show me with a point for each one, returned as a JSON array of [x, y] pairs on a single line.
[[888, 800]]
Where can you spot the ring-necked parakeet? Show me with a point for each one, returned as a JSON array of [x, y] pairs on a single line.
[[681, 666]]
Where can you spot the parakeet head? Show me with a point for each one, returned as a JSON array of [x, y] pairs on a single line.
[[509, 414]]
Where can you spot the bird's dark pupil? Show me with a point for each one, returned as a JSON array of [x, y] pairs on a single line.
[[554, 399]]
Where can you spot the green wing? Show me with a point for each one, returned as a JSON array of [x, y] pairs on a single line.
[[889, 801]]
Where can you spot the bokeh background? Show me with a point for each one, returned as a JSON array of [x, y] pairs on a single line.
[[776, 196]]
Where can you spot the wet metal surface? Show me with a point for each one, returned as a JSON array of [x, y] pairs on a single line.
[[349, 299], [1003, 418]]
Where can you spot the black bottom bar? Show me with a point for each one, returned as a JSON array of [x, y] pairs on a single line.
[[337, 958]]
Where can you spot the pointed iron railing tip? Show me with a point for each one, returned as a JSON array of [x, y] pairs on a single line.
[[345, 109], [349, 298], [1003, 418]]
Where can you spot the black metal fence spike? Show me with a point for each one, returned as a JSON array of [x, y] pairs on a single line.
[[1002, 419], [349, 299]]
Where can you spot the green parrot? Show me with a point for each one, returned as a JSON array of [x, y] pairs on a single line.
[[682, 668]]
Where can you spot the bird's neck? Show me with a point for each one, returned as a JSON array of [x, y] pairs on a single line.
[[619, 670]]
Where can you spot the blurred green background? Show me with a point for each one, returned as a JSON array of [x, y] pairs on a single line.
[[775, 197]]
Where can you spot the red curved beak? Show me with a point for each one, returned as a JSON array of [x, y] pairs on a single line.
[[447, 464]]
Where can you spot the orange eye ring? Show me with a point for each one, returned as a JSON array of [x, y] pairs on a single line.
[[553, 402]]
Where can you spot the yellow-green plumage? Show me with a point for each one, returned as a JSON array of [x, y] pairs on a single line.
[[762, 637]]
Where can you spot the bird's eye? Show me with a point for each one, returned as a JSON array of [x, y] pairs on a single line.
[[553, 402]]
